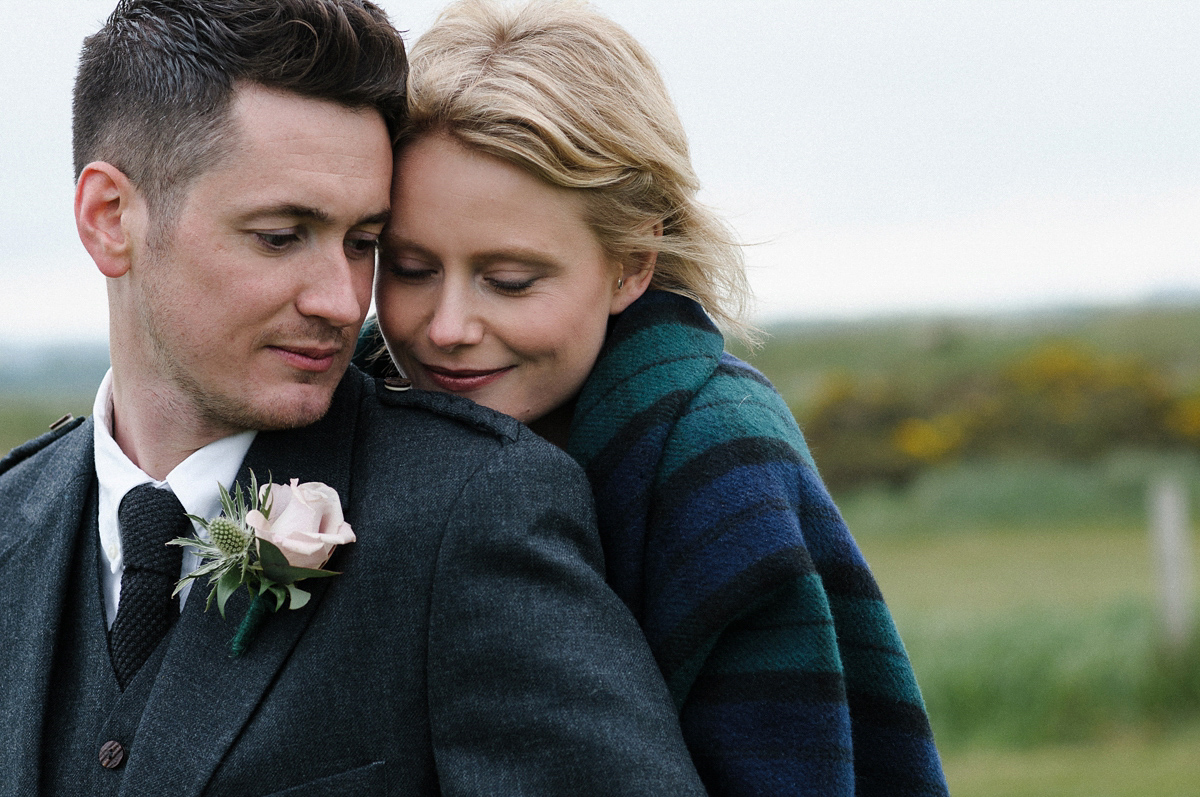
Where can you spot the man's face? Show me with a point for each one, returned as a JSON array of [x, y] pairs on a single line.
[[250, 307]]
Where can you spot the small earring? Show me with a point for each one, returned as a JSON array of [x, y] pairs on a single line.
[[620, 283]]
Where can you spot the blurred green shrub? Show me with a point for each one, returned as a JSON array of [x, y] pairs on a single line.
[[852, 430], [1060, 402], [1065, 401]]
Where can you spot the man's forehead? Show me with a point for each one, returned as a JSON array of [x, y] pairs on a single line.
[[259, 112], [301, 157]]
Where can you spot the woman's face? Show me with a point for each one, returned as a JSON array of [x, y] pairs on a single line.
[[491, 285]]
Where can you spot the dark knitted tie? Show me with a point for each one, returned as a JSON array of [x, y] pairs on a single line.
[[149, 517]]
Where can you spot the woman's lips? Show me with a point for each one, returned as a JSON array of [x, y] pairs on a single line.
[[316, 359], [462, 380]]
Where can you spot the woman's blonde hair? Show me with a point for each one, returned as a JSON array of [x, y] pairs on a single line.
[[566, 94]]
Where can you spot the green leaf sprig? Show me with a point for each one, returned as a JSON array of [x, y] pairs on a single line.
[[233, 556]]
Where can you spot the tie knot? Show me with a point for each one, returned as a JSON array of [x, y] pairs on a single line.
[[149, 518]]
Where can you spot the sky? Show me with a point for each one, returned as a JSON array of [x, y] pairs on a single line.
[[884, 157]]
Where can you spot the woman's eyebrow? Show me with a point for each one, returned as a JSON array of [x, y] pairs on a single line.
[[531, 257]]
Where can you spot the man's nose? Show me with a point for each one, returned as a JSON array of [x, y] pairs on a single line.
[[338, 288]]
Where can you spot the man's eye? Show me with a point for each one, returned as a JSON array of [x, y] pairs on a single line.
[[277, 241], [361, 246]]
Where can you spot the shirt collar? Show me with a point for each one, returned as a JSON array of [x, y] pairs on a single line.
[[196, 481]]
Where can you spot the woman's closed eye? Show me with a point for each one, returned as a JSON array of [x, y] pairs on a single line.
[[410, 269], [511, 285]]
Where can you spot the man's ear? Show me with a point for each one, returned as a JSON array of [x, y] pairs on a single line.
[[634, 278], [105, 202]]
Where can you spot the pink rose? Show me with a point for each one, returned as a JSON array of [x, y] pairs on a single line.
[[306, 522]]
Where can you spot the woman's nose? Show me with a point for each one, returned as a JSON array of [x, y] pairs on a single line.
[[456, 320]]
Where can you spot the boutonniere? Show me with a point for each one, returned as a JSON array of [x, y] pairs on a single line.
[[267, 541]]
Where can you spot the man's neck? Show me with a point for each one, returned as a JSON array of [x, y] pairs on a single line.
[[158, 431]]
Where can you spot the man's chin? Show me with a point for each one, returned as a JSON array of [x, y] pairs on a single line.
[[293, 415], [302, 405], [292, 420]]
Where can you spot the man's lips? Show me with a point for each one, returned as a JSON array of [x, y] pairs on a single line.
[[308, 358], [462, 380]]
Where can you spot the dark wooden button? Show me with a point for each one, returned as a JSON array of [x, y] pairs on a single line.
[[112, 754], [397, 383]]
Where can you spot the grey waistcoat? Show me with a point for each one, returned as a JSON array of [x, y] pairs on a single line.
[[86, 708]]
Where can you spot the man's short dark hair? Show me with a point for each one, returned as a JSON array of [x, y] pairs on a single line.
[[156, 83]]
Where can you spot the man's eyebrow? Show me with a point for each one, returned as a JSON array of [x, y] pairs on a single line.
[[305, 213], [377, 218], [291, 211]]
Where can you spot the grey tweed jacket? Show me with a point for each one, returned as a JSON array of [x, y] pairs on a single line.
[[469, 647]]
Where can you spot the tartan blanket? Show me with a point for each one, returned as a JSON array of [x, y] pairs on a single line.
[[719, 535]]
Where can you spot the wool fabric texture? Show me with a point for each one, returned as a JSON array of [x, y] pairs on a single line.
[[149, 518], [759, 608]]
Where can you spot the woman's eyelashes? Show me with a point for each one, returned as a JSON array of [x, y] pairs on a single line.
[[511, 286], [409, 269], [415, 270]]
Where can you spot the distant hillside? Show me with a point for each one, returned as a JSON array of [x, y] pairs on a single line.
[[40, 384], [49, 371]]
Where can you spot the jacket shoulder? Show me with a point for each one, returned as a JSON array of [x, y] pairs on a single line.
[[454, 438], [396, 392], [28, 449]]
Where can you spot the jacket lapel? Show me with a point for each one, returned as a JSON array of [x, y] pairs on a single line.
[[202, 698], [33, 582]]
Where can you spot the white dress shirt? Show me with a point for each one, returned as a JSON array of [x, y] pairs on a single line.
[[194, 481]]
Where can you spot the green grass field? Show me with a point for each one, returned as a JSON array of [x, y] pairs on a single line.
[[24, 418], [1038, 654], [1130, 765], [973, 578]]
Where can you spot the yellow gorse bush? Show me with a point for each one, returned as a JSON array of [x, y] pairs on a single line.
[[1059, 401]]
